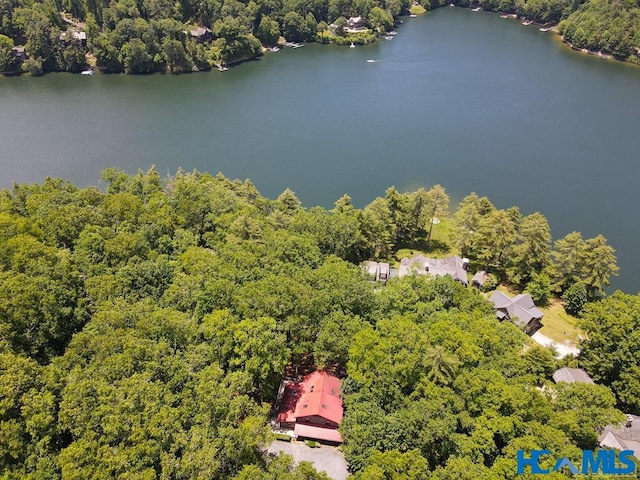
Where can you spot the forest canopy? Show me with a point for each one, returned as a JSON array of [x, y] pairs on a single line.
[[146, 329]]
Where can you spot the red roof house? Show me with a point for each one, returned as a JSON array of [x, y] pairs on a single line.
[[313, 408]]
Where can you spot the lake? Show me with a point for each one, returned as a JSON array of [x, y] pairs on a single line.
[[468, 100]]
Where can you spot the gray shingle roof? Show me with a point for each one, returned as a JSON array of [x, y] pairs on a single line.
[[572, 375]]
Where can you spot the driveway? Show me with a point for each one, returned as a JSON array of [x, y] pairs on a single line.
[[562, 349], [324, 458]]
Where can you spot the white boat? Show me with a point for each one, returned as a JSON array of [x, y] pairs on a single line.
[[371, 61], [274, 49], [544, 29], [352, 45], [87, 72], [527, 22], [392, 33], [477, 9], [413, 15], [388, 37]]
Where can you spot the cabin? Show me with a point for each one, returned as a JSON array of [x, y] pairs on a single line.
[[313, 408], [74, 36], [378, 271], [479, 279], [19, 54], [572, 375], [455, 267], [623, 437], [201, 34], [520, 309]]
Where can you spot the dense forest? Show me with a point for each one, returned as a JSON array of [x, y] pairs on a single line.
[[146, 328], [140, 36]]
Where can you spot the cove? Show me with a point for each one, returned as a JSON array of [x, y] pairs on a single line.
[[468, 100]]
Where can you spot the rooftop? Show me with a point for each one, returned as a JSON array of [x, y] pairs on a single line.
[[572, 375]]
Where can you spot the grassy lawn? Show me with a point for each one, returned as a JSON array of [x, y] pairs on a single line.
[[559, 325]]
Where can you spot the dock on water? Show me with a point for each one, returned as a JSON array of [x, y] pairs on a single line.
[[293, 44]]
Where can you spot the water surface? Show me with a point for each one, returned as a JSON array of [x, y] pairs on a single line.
[[468, 100]]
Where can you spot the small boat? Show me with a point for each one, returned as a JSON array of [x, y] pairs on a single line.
[[89, 71], [504, 16], [545, 29], [222, 68], [388, 37], [371, 61], [352, 45], [392, 33], [477, 9], [274, 49], [527, 23], [451, 5], [413, 15]]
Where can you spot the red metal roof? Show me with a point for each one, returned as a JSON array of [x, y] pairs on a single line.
[[320, 396], [318, 433], [317, 395]]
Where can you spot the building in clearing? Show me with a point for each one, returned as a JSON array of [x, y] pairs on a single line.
[[572, 375], [520, 309], [378, 271], [455, 267], [313, 407]]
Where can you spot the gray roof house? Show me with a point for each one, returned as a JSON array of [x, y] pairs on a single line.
[[572, 375], [201, 34], [479, 279], [455, 267], [379, 271], [520, 309], [626, 437]]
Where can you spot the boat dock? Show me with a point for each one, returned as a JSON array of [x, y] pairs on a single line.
[[293, 44]]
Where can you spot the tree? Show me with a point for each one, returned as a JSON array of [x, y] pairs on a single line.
[[611, 352], [380, 20], [567, 260], [441, 365], [268, 31], [7, 59], [531, 254], [439, 201], [135, 57], [540, 288], [575, 298], [600, 265]]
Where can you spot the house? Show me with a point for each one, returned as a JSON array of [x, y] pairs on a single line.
[[19, 54], [355, 25], [201, 34], [479, 279], [455, 267], [625, 437], [74, 35], [572, 375], [379, 271], [520, 309], [313, 407]]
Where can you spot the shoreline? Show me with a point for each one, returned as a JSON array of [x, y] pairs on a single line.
[[472, 7]]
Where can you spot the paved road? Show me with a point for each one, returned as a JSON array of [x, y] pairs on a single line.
[[562, 349], [324, 458]]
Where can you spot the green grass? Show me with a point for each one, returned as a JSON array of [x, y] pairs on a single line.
[[559, 325], [417, 10]]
